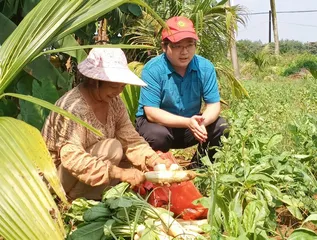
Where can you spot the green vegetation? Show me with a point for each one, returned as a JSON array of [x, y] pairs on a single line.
[[268, 161], [263, 180]]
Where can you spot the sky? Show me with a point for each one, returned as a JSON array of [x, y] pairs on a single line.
[[294, 26]]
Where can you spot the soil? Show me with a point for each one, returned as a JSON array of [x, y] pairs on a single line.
[[287, 224]]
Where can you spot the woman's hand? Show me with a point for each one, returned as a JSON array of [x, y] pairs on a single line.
[[131, 175], [160, 160], [167, 162]]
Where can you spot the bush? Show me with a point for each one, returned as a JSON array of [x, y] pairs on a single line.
[[307, 61], [247, 49]]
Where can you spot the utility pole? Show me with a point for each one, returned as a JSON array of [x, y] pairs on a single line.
[[233, 48], [275, 29], [270, 26]]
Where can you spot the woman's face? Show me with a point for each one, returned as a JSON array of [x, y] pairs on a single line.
[[109, 90]]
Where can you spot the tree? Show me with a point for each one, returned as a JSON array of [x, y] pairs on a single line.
[[275, 28], [27, 208], [233, 48]]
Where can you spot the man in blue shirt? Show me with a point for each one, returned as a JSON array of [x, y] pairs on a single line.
[[177, 82]]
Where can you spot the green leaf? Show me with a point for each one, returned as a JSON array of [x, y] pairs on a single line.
[[135, 10], [10, 8], [7, 27], [295, 211], [259, 177], [124, 8], [90, 231], [291, 201], [28, 5], [130, 97], [119, 202], [70, 41], [254, 215], [22, 46], [8, 108], [53, 108], [276, 139], [96, 212], [107, 228], [34, 114], [116, 191], [228, 178], [311, 218], [303, 234], [31, 114], [74, 48], [41, 68], [25, 198]]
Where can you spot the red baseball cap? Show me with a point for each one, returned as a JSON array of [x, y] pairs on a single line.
[[179, 28]]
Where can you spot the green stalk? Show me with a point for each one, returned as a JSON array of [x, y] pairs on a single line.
[[213, 198]]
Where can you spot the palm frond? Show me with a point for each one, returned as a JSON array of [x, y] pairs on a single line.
[[27, 208]]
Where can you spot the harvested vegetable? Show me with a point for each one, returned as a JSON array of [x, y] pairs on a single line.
[[160, 167], [122, 214], [172, 227], [164, 177]]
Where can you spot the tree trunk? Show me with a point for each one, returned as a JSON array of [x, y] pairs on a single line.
[[233, 50], [275, 29]]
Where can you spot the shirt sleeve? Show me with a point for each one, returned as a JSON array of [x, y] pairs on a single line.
[[69, 143], [136, 149], [150, 95], [210, 85], [91, 170]]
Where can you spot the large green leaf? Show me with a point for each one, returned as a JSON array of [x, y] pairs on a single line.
[[35, 114], [32, 35], [7, 26], [48, 22], [74, 48], [28, 5], [54, 108], [8, 108], [41, 68], [89, 231], [10, 8], [68, 41], [27, 210]]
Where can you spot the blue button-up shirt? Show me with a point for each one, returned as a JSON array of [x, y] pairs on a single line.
[[168, 90]]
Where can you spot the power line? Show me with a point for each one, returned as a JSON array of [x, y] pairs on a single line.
[[260, 13], [304, 25], [253, 26]]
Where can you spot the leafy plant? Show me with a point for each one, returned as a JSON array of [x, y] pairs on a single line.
[[47, 23]]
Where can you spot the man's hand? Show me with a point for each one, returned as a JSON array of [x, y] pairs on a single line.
[[197, 127]]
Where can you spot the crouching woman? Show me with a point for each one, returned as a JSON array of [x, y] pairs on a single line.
[[87, 163]]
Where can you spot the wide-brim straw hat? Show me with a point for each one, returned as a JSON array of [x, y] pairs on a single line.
[[109, 64]]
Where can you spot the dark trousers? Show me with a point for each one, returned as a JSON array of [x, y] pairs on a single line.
[[164, 138]]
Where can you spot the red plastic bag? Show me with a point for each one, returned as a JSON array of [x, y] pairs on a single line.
[[179, 196]]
